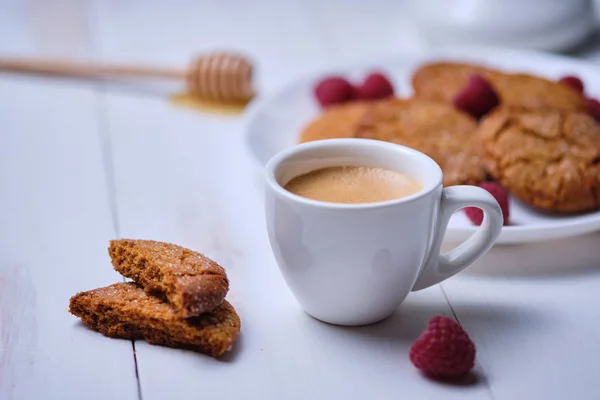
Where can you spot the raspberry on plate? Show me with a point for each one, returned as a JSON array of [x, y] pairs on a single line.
[[375, 86], [501, 196], [444, 350], [477, 98], [333, 90], [594, 108], [573, 82]]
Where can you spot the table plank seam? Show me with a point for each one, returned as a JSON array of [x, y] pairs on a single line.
[[107, 157], [137, 371], [105, 142], [486, 383]]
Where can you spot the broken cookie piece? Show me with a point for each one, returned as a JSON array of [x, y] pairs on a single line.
[[124, 310], [191, 282]]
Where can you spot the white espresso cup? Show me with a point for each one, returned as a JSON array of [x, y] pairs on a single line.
[[353, 264]]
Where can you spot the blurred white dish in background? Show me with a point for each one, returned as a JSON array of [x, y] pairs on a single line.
[[534, 24], [274, 122]]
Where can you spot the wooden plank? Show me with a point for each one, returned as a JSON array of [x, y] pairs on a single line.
[[187, 178], [180, 177], [55, 224], [54, 227], [355, 31], [532, 313], [45, 28], [274, 34], [190, 181]]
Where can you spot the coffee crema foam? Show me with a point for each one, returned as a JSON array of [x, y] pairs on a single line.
[[353, 184]]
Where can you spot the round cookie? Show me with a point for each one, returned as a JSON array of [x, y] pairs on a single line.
[[434, 128], [549, 159], [338, 121], [533, 92], [443, 81]]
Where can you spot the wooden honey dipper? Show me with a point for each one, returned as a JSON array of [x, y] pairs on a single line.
[[219, 76]]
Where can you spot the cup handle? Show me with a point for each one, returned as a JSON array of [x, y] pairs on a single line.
[[439, 267]]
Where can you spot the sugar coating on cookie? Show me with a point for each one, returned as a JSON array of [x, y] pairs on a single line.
[[190, 281], [549, 159]]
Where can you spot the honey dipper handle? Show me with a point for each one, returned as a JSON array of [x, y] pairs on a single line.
[[81, 70]]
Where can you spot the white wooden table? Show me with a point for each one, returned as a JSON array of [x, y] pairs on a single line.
[[81, 163]]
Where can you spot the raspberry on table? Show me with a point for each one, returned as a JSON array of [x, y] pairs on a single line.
[[501, 196], [333, 90], [375, 86], [573, 82], [594, 108], [444, 350], [477, 98]]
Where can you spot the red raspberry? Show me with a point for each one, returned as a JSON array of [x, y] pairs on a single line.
[[333, 90], [477, 98], [501, 196], [594, 108], [375, 86], [573, 82], [444, 350]]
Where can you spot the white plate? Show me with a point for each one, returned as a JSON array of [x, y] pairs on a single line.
[[273, 123]]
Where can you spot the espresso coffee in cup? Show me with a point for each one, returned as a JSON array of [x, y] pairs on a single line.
[[353, 184]]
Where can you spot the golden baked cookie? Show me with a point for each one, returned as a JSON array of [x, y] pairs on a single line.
[[126, 311], [442, 81], [190, 281], [338, 121], [547, 158], [436, 129]]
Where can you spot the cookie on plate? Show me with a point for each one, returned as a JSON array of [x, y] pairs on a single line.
[[441, 81], [549, 159], [337, 121], [436, 129], [444, 80]]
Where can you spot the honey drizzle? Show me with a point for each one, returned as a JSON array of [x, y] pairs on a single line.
[[190, 101]]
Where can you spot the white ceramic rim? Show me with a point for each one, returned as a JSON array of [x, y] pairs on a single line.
[[280, 158]]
